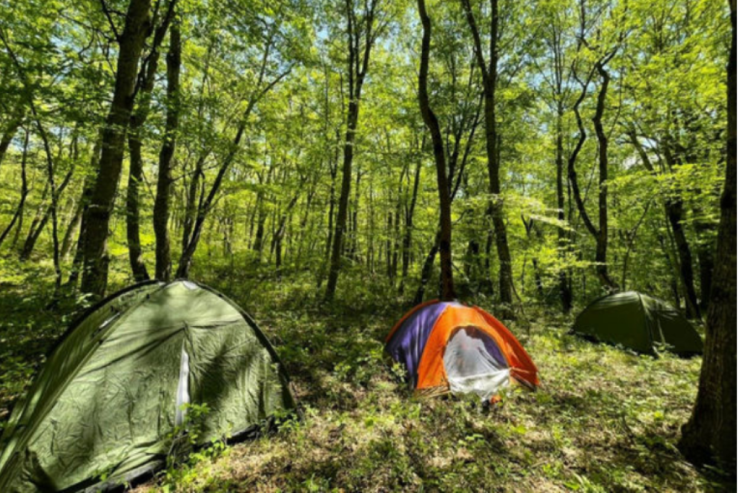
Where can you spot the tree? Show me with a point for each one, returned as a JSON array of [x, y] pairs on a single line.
[[97, 218], [362, 32], [258, 88], [489, 74], [164, 178], [603, 56], [443, 188], [711, 433], [557, 81], [24, 192], [144, 87]]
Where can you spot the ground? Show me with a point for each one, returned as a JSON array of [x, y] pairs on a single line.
[[603, 419]]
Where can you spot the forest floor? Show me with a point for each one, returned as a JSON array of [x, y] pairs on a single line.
[[603, 419]]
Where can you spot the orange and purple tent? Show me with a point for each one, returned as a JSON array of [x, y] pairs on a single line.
[[448, 346]]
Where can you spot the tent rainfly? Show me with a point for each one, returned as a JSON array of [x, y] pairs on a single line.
[[639, 322], [113, 396], [450, 347]]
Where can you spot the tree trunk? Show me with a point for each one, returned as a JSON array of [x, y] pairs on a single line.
[[673, 207], [9, 132], [188, 251], [705, 255], [443, 188], [396, 235], [409, 229], [388, 246], [164, 178], [496, 211], [601, 235], [24, 192], [191, 205], [674, 213], [602, 238], [489, 74], [259, 238], [95, 273], [35, 233], [357, 69], [71, 230], [332, 204], [711, 433], [336, 252], [426, 270], [280, 232], [84, 202], [566, 295], [353, 246], [135, 177], [139, 116]]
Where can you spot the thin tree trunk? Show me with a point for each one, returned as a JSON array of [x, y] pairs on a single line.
[[9, 132], [259, 237], [135, 177], [35, 233], [396, 235], [674, 213], [84, 202], [337, 245], [190, 246], [602, 238], [631, 237], [24, 192], [409, 229], [566, 295], [71, 230], [164, 178], [443, 188], [673, 207], [281, 228], [426, 270], [332, 204], [600, 234], [705, 255], [353, 240], [357, 69], [489, 73], [191, 205], [388, 246]]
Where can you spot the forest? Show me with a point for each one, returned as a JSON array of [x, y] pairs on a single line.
[[329, 165]]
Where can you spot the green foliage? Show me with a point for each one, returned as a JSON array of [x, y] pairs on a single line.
[[187, 455], [604, 421]]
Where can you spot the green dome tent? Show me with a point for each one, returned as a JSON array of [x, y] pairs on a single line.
[[638, 322], [115, 390]]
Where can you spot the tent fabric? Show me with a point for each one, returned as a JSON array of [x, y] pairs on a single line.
[[474, 364], [109, 399], [421, 341], [410, 342], [638, 322]]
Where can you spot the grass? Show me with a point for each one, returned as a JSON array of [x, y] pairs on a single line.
[[603, 420]]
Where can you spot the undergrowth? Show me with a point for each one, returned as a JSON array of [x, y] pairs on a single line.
[[603, 420]]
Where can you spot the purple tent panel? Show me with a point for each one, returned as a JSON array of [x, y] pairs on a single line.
[[407, 344]]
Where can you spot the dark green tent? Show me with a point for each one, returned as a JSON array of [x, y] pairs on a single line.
[[638, 322], [115, 391]]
